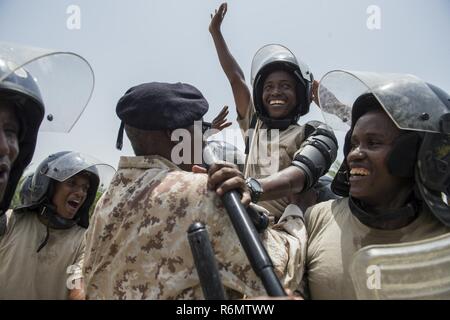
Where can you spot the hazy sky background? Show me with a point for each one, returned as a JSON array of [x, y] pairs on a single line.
[[135, 41]]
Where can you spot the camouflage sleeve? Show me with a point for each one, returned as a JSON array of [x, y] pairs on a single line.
[[330, 104], [145, 253], [289, 253], [92, 249], [284, 242]]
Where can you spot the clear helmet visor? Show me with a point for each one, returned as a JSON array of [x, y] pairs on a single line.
[[408, 100], [276, 53], [224, 151], [65, 81], [73, 163]]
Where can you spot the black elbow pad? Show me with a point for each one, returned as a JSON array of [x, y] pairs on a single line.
[[317, 154]]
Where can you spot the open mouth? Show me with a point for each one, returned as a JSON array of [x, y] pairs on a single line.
[[277, 102], [359, 172], [74, 204]]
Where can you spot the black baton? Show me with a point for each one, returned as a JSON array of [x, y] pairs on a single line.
[[205, 262]]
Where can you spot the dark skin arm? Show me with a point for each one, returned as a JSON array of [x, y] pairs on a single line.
[[77, 294], [229, 65], [288, 182], [220, 122]]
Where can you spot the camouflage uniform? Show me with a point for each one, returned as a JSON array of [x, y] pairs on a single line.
[[137, 245]]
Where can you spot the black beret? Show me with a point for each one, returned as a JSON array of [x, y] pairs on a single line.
[[160, 106]]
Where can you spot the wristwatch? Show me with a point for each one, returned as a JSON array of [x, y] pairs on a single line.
[[256, 189]]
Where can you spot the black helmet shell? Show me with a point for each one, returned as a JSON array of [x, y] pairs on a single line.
[[20, 88]]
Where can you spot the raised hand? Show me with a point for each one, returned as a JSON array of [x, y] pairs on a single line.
[[217, 18], [220, 122], [224, 177]]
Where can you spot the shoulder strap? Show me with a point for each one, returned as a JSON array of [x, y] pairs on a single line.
[[248, 139]]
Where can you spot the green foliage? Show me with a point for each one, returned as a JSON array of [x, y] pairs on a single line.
[[100, 192], [334, 168], [16, 198]]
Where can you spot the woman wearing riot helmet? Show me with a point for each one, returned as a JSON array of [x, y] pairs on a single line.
[[46, 187], [282, 92], [48, 227], [398, 139], [281, 87]]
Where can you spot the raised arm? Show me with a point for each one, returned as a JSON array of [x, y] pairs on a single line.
[[229, 65]]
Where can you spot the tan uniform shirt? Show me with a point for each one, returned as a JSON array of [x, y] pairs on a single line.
[[49, 274], [270, 153], [335, 234], [137, 245]]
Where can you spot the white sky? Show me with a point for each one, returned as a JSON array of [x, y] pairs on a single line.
[[136, 41]]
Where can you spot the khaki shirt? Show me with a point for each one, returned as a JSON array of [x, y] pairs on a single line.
[[137, 246], [335, 234], [49, 274], [270, 152]]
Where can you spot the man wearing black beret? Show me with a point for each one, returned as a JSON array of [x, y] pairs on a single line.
[[137, 245]]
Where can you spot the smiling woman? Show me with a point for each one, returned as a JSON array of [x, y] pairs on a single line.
[[372, 141], [279, 96], [386, 179]]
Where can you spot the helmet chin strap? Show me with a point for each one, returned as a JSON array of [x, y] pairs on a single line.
[[52, 220], [280, 124], [389, 217]]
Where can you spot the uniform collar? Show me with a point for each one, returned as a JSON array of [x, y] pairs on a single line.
[[147, 162], [377, 221]]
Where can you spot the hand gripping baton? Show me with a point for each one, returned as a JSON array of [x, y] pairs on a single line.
[[249, 237]]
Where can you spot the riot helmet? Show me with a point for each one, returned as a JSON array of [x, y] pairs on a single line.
[[38, 189], [19, 88], [420, 109], [272, 58], [31, 78]]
